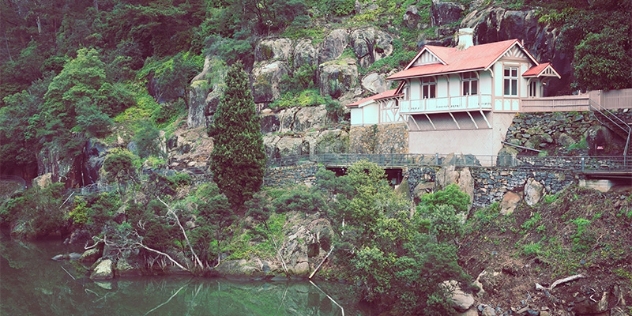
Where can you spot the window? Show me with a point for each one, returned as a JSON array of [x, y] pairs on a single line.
[[470, 83], [510, 83], [428, 88], [533, 89]]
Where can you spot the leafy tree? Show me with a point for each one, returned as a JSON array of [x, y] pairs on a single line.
[[603, 60], [238, 158], [71, 112], [120, 166], [147, 139], [18, 129]]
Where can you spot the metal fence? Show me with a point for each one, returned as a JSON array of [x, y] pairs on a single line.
[[579, 163]]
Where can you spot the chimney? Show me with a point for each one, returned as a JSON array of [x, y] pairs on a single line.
[[465, 38]]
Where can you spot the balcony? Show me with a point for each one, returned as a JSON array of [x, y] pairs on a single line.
[[445, 105]]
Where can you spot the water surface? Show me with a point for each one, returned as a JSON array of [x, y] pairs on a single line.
[[33, 284]]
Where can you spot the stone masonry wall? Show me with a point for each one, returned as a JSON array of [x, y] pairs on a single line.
[[379, 139], [291, 175]]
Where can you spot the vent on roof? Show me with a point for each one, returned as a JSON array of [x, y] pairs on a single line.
[[465, 38]]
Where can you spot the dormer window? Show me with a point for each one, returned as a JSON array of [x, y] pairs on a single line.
[[469, 83], [428, 88], [510, 81]]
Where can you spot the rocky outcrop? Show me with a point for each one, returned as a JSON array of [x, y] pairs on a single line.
[[304, 54], [374, 83], [463, 178], [265, 88], [461, 301], [338, 77], [445, 12], [370, 45], [333, 45], [205, 93], [493, 24]]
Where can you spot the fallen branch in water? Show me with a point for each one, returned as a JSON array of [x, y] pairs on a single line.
[[329, 297], [321, 263], [172, 296]]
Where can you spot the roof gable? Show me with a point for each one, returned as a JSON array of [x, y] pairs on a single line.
[[376, 97], [454, 60], [541, 70]]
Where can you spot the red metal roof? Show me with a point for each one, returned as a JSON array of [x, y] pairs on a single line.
[[535, 71], [383, 95], [476, 57]]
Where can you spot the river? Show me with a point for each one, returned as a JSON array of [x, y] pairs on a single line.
[[33, 284]]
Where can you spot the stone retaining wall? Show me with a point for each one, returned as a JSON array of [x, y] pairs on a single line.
[[379, 139], [291, 175]]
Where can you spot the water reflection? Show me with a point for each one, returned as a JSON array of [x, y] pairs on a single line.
[[33, 284]]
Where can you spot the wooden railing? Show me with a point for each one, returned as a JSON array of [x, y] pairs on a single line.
[[564, 103]]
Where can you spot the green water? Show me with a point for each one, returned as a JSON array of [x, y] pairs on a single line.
[[33, 284]]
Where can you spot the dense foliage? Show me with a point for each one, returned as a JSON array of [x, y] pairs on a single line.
[[238, 159]]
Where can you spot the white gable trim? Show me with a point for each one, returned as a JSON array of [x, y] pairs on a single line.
[[510, 48], [424, 50]]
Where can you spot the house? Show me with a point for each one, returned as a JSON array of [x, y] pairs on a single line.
[[458, 99]]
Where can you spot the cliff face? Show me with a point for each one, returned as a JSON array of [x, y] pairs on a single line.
[[337, 65]]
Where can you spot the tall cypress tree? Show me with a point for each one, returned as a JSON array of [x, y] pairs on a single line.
[[238, 159]]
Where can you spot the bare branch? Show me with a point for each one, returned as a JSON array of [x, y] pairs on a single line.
[[175, 216]]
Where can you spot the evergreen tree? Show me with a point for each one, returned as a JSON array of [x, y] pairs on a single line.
[[238, 157]]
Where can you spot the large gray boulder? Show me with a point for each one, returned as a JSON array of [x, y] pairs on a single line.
[[446, 12], [304, 54], [267, 77], [206, 90], [102, 270], [412, 17], [370, 45], [374, 83], [333, 45], [273, 49], [338, 77]]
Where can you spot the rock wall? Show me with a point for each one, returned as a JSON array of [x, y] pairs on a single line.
[[290, 176], [379, 139]]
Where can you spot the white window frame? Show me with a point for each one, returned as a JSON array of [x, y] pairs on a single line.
[[533, 89], [469, 83], [510, 81], [428, 88]]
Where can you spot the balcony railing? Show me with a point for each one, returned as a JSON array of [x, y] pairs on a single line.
[[449, 104]]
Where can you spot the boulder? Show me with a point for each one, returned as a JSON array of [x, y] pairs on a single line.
[[422, 189], [461, 301], [267, 77], [304, 54], [333, 45], [239, 269], [205, 92], [565, 140], [509, 203], [273, 49], [338, 77], [463, 178], [43, 180], [370, 45], [411, 17], [103, 270], [313, 117], [533, 191], [90, 256], [374, 83], [445, 12]]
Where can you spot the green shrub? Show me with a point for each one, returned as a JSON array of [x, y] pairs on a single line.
[[532, 221], [305, 98]]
